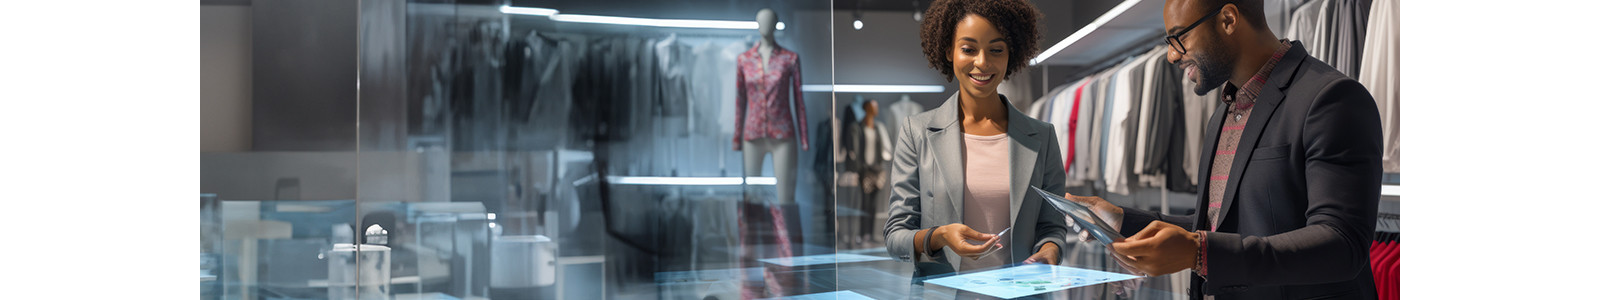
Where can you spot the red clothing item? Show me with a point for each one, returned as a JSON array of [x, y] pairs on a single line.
[[1380, 262], [1072, 125], [1385, 260], [1394, 278], [764, 97], [1391, 271]]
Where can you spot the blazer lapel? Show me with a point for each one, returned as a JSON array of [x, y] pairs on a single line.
[[945, 137], [1025, 146], [1260, 117], [1206, 158]]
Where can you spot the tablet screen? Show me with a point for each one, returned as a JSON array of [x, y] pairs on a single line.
[[1085, 218]]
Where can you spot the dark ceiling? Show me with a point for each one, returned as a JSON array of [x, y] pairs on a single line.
[[738, 5], [890, 5]]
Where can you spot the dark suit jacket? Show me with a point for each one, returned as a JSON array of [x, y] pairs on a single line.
[[1302, 200]]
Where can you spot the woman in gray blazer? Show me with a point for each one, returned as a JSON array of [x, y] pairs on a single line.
[[962, 171]]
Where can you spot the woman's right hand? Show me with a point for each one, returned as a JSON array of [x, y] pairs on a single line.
[[956, 236]]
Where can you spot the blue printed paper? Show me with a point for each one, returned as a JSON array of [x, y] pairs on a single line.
[[821, 259], [839, 295], [1027, 280]]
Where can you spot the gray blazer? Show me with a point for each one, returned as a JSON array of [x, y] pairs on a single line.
[[927, 185]]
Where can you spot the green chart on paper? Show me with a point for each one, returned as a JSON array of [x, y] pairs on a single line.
[[1026, 280]]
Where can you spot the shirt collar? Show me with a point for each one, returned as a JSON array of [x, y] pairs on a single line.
[[1242, 98], [755, 49]]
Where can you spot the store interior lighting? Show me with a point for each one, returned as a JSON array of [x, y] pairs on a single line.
[[557, 16], [873, 88], [651, 180], [1112, 14]]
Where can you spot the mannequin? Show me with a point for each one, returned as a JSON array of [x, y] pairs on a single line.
[[898, 111], [769, 85], [865, 163]]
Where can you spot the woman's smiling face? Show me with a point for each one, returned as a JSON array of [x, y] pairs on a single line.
[[979, 56]]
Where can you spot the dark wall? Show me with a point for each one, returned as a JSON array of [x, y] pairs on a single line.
[[304, 79]]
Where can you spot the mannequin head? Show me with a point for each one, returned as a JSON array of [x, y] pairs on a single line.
[[872, 112], [766, 22]]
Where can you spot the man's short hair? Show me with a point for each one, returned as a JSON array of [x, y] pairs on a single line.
[[1252, 10]]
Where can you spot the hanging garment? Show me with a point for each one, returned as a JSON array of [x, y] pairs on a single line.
[[1072, 126], [1103, 124], [1197, 109], [766, 95], [1303, 25], [1085, 121], [1279, 13], [542, 72], [898, 112], [1380, 73], [1036, 110], [1124, 118], [1146, 120], [713, 73], [1168, 149], [1061, 120]]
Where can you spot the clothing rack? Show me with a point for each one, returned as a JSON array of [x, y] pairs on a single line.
[[1127, 53], [1388, 223]]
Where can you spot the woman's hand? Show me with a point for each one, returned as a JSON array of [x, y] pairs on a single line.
[[956, 236], [1049, 254]]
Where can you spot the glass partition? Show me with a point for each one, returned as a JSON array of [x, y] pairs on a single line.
[[594, 149], [409, 149]]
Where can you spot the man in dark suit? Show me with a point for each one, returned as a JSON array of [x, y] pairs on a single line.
[[1289, 186]]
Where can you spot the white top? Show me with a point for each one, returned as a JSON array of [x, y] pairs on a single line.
[[986, 201]]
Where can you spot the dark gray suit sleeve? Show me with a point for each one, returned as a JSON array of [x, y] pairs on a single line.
[[1052, 226], [1134, 220], [1343, 170], [905, 197]]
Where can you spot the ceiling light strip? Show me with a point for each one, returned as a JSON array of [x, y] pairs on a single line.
[[873, 88], [651, 180], [555, 15], [1112, 14]]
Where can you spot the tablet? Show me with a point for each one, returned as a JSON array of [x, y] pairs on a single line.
[[1085, 218]]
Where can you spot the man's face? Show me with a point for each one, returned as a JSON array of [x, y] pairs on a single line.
[[1209, 60]]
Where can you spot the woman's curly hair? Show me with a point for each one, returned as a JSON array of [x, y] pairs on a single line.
[[1017, 20]]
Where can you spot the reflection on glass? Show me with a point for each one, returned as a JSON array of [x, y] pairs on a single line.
[[503, 156], [370, 263]]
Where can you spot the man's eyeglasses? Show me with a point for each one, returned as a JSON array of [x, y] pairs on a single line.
[[1176, 40]]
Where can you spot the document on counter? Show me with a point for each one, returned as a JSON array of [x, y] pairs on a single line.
[[1027, 280], [839, 295], [821, 259]]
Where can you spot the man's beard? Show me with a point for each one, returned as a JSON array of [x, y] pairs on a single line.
[[1215, 66]]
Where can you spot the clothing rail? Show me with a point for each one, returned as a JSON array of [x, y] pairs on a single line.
[[1388, 222], [1111, 61]]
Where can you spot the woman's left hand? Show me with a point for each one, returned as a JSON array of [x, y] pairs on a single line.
[[1049, 253]]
